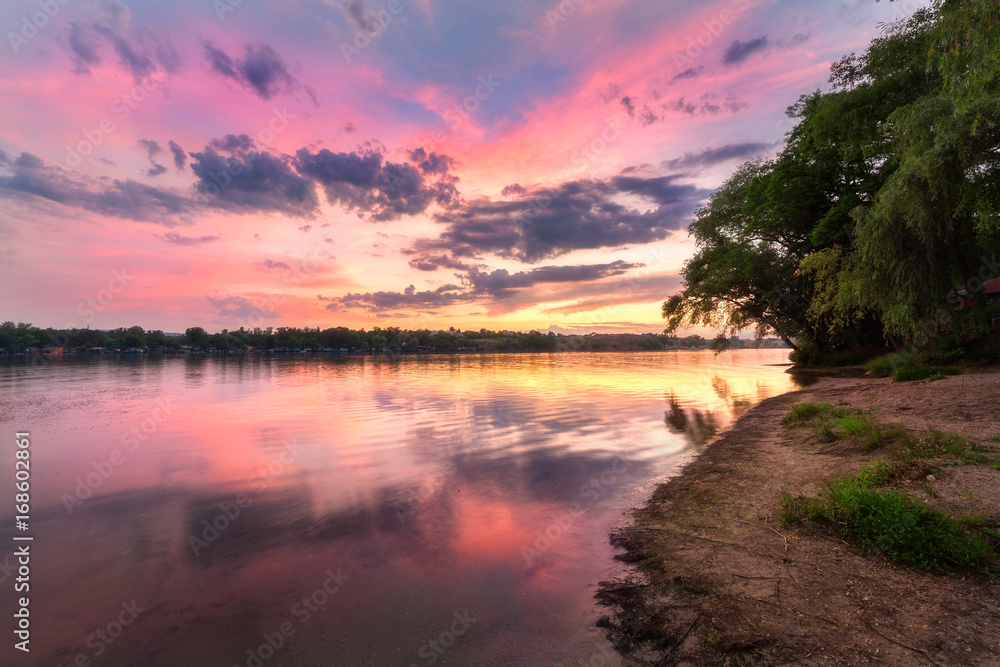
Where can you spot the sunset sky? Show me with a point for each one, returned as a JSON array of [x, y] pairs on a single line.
[[410, 163]]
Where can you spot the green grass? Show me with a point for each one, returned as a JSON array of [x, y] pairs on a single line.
[[913, 373], [941, 444], [897, 526], [903, 368], [803, 412], [886, 365], [837, 423], [878, 474], [892, 524]]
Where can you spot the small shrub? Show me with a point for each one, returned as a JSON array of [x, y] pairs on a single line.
[[893, 524], [913, 373], [854, 424], [803, 412], [877, 474], [887, 365], [793, 509]]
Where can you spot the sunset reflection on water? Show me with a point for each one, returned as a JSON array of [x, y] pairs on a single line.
[[434, 485]]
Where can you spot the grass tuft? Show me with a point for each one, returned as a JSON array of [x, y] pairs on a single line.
[[886, 365], [838, 422], [892, 524], [804, 412], [913, 373]]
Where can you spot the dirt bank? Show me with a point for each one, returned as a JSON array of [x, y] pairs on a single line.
[[719, 579]]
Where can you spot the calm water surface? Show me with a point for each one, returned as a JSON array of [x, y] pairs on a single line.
[[448, 510]]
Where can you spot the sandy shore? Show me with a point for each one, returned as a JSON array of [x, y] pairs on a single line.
[[719, 579]]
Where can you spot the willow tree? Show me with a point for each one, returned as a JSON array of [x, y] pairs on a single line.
[[751, 236], [933, 226]]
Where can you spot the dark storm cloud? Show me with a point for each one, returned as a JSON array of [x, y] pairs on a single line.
[[383, 190], [152, 150], [435, 262], [141, 50], [83, 48], [691, 73], [152, 147], [253, 182], [576, 215], [713, 156], [433, 163], [180, 157], [119, 198], [261, 70], [233, 175], [707, 104], [177, 239], [233, 143], [478, 286], [629, 105], [501, 283], [738, 51]]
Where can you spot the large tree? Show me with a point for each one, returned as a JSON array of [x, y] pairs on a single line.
[[882, 203]]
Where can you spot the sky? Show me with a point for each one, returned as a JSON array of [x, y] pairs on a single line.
[[413, 163]]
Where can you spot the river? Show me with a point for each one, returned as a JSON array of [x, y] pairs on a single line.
[[448, 510]]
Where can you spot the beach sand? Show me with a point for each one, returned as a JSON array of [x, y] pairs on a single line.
[[719, 579]]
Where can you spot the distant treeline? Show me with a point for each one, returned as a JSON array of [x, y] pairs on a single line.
[[21, 337]]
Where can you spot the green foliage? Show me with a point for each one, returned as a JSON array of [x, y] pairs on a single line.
[[882, 205], [839, 423], [877, 474], [887, 365], [17, 338], [892, 524], [805, 412], [912, 373]]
